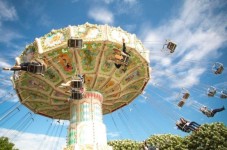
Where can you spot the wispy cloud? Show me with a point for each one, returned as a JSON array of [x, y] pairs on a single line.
[[4, 63], [125, 1], [26, 141], [74, 1], [45, 20], [113, 134], [7, 36], [199, 30], [7, 12], [101, 15]]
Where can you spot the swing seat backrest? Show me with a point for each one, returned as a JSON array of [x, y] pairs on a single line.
[[171, 46], [181, 103]]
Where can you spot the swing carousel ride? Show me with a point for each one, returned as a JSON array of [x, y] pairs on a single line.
[[80, 73]]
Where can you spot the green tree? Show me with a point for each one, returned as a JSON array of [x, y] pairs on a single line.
[[166, 142], [124, 145], [5, 144], [208, 137]]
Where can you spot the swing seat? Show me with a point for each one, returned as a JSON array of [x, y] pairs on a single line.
[[171, 46], [211, 93], [36, 68], [77, 84], [223, 94], [186, 96], [181, 103], [219, 70], [76, 95], [75, 43]]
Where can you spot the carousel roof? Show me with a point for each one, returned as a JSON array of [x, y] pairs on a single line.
[[42, 94]]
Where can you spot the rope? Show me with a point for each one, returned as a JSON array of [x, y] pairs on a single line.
[[7, 91], [116, 126], [8, 113], [47, 132], [59, 136], [19, 123], [49, 139], [121, 118], [24, 127], [76, 71], [127, 118], [54, 137], [142, 120], [1, 124], [173, 118]]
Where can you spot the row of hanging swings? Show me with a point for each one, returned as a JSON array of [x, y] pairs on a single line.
[[169, 47], [211, 91], [38, 66]]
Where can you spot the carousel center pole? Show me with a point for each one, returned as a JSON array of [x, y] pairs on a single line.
[[87, 130]]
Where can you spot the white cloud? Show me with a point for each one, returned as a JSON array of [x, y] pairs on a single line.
[[7, 12], [113, 134], [28, 141], [7, 36], [45, 20], [125, 1], [4, 63], [130, 1], [199, 30], [108, 1], [74, 1], [101, 15]]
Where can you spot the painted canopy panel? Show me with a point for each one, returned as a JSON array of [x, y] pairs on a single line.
[[43, 95]]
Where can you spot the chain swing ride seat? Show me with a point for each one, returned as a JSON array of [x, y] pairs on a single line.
[[75, 87], [217, 68], [32, 67], [211, 91], [169, 47], [76, 95], [223, 94], [183, 127], [36, 68], [75, 43], [183, 98], [76, 84]]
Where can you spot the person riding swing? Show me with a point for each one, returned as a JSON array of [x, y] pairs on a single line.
[[121, 57]]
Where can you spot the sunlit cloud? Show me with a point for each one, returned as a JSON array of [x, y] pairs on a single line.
[[113, 134], [101, 15], [125, 1], [4, 63], [7, 12], [199, 31], [26, 141]]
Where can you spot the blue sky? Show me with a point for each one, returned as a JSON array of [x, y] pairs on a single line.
[[199, 28]]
